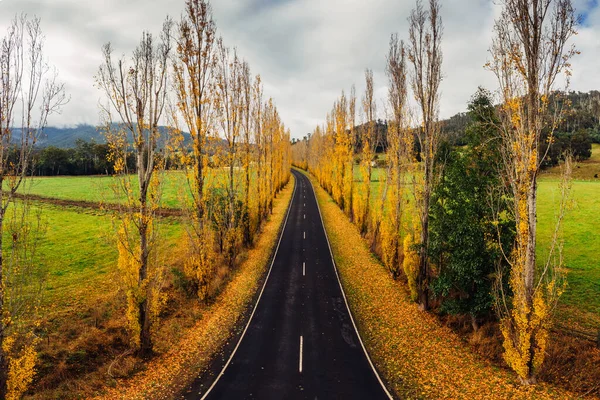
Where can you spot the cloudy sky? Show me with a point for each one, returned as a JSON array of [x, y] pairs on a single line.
[[306, 51]]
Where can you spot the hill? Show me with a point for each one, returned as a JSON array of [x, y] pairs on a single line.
[[66, 137]]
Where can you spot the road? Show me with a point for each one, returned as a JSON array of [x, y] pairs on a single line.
[[300, 342]]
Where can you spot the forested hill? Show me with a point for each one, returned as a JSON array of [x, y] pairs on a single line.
[[66, 137], [582, 113]]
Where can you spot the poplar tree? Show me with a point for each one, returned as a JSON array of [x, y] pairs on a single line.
[[425, 55], [136, 90], [530, 52]]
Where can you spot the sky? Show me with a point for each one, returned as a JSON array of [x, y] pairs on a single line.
[[306, 51]]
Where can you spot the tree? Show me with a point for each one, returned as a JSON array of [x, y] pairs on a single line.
[[137, 91], [350, 178], [229, 107], [247, 150], [425, 55], [29, 94], [530, 53], [468, 215], [258, 117], [369, 144], [193, 75], [399, 159], [342, 151]]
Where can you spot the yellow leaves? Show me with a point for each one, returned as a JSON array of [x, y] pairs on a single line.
[[21, 364], [411, 264], [200, 262], [526, 334]]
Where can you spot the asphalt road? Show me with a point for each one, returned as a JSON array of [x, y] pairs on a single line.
[[300, 342]]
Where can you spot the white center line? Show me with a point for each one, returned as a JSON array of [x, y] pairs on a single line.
[[301, 345], [304, 216], [304, 235], [303, 269]]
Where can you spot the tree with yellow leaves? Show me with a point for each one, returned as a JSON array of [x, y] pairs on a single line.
[[258, 118], [369, 145], [349, 184], [425, 55], [193, 75], [248, 221], [29, 93], [399, 156], [530, 53], [229, 107], [136, 90]]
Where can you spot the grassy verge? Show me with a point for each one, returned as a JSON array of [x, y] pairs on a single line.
[[415, 354], [191, 353]]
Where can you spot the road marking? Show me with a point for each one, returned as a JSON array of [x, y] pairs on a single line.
[[303, 269], [259, 295], [304, 216], [301, 345], [304, 205], [304, 235]]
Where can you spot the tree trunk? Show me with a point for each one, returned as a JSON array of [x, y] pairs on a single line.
[[199, 183], [3, 356], [423, 278], [143, 308], [246, 220]]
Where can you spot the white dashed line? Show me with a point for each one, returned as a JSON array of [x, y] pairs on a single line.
[[303, 269], [304, 235], [300, 364]]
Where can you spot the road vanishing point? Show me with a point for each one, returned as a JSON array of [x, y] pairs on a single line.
[[300, 341]]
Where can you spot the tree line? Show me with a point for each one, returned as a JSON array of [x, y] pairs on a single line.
[[459, 223], [182, 100]]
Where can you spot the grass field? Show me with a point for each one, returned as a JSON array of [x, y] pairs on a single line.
[[581, 252], [98, 188], [175, 187], [79, 251]]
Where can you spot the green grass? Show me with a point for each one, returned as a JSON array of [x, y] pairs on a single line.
[[175, 187], [581, 250], [79, 252], [98, 188]]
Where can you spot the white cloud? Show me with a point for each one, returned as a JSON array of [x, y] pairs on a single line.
[[306, 51]]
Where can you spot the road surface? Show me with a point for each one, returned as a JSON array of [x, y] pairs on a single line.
[[300, 342]]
